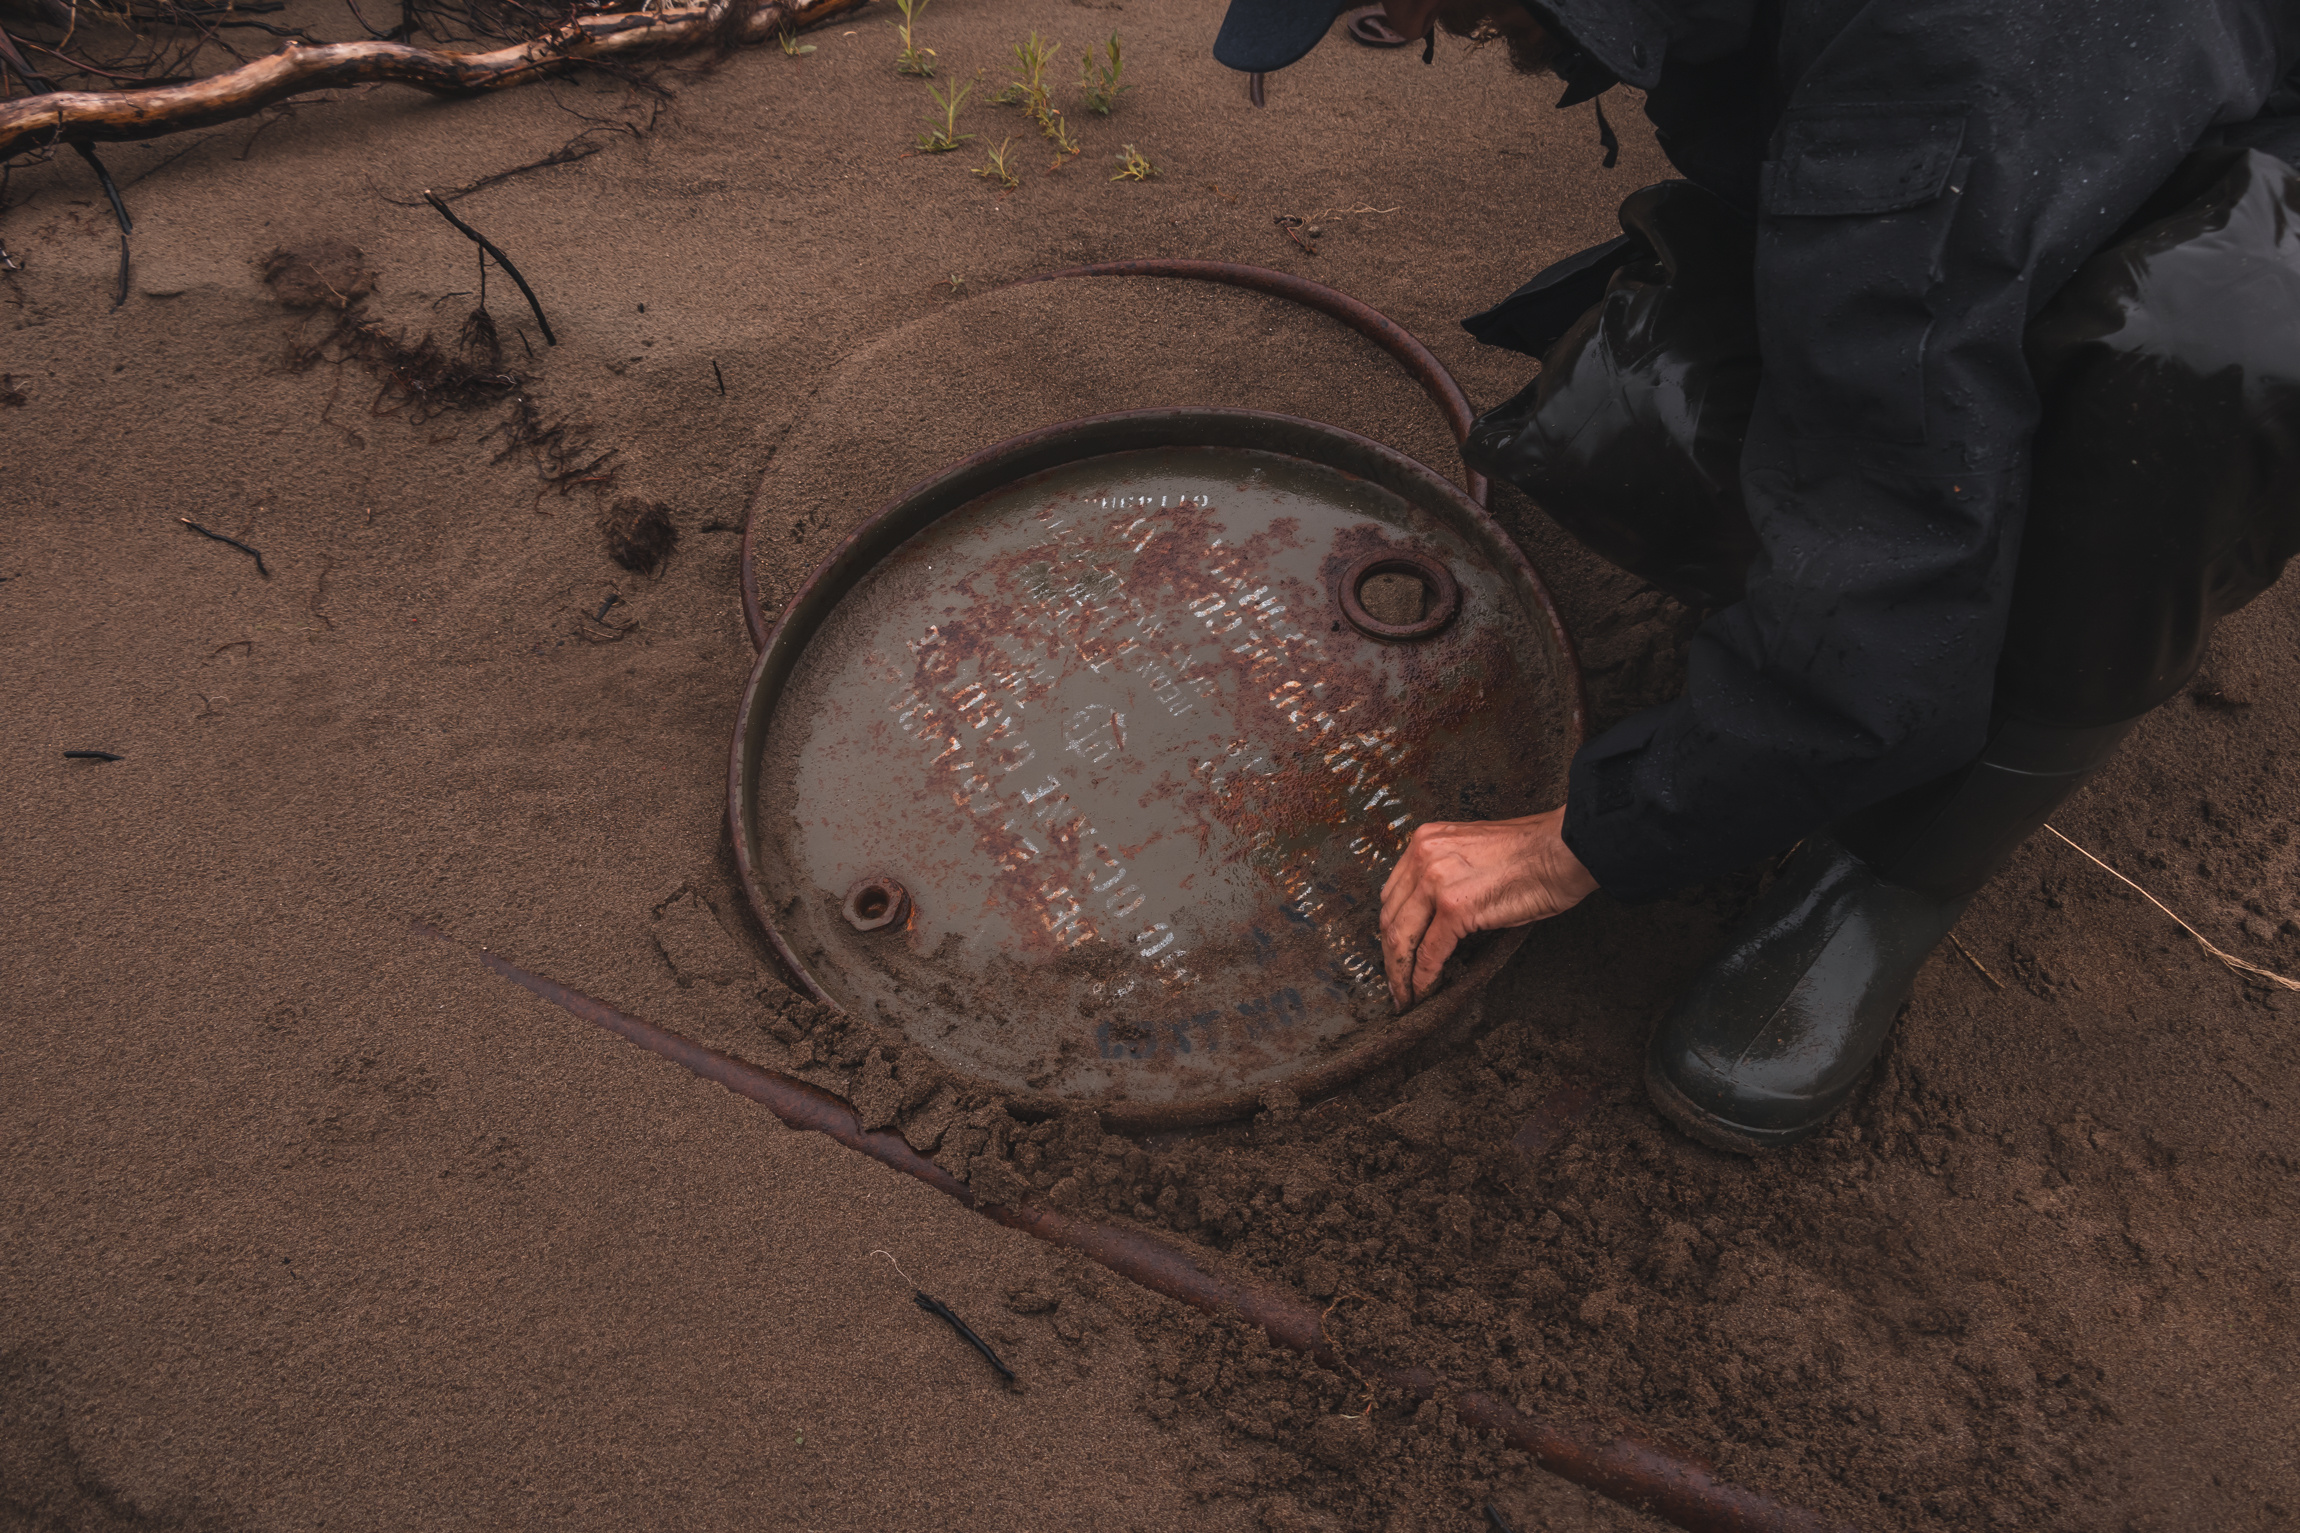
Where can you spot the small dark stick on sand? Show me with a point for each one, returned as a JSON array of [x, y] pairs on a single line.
[[111, 192], [112, 756], [943, 1312], [722, 377], [600, 617], [319, 593], [502, 260], [235, 542], [1497, 1522]]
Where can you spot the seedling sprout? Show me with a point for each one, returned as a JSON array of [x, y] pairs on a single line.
[[994, 169], [1134, 165], [792, 47], [1055, 128], [913, 60], [946, 137], [1102, 78], [1029, 90]]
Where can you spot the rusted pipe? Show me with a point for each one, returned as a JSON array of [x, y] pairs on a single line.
[[1368, 321], [1628, 1469]]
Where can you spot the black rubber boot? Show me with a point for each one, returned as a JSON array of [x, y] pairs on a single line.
[[1776, 1032]]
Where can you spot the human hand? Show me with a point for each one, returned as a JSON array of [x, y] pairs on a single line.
[[1483, 875]]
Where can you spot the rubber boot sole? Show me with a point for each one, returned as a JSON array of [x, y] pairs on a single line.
[[1705, 1127]]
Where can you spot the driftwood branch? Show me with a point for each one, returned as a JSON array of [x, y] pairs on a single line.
[[78, 117]]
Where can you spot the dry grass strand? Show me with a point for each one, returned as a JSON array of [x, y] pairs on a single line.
[[2240, 965]]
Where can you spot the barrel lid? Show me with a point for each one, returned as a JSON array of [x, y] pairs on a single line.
[[1081, 765]]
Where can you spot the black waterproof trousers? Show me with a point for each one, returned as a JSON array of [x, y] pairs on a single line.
[[2166, 481]]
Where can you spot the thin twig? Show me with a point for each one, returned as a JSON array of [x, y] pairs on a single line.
[[1979, 968], [2241, 965], [898, 1272], [580, 147], [197, 143], [949, 1317], [279, 114], [1335, 1347], [502, 260], [615, 633], [93, 756], [111, 192], [235, 542], [319, 592]]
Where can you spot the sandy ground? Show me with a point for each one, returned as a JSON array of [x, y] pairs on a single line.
[[312, 1222]]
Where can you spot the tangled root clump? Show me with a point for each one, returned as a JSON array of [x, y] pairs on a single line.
[[422, 377]]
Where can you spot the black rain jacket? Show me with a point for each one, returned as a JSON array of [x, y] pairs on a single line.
[[1923, 176]]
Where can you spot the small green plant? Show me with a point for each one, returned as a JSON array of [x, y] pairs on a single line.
[[946, 137], [1102, 78], [993, 169], [792, 47], [1028, 90], [913, 60], [1134, 165], [1050, 121]]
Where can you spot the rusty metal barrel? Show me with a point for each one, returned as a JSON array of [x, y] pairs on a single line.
[[1081, 765]]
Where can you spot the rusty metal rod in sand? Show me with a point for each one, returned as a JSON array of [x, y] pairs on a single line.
[[1627, 1469], [1364, 318], [77, 117]]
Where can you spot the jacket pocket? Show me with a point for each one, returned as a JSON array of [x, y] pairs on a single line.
[[1857, 209], [1850, 163]]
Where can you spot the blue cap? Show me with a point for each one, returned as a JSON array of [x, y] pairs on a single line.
[[1260, 36]]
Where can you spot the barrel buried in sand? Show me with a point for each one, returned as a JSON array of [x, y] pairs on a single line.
[[1132, 717]]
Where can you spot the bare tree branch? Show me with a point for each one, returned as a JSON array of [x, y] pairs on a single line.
[[79, 117]]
